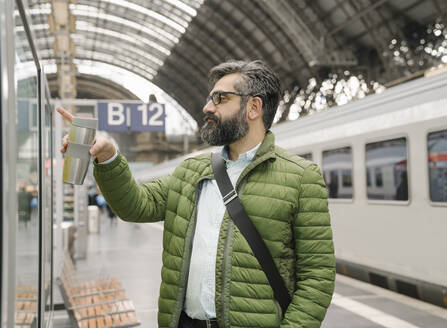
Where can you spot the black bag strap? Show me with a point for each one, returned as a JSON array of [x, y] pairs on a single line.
[[248, 230]]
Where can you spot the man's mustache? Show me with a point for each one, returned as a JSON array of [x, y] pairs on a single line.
[[211, 116]]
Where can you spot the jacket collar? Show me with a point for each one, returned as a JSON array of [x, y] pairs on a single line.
[[267, 147], [266, 152]]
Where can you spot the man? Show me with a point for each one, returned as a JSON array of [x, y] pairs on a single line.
[[210, 277]]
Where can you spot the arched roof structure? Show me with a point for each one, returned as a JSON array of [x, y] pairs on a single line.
[[94, 87], [173, 43]]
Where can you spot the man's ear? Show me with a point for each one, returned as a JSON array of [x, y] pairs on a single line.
[[255, 108]]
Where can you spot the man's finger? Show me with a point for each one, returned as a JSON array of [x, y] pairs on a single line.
[[65, 141], [96, 146], [67, 115]]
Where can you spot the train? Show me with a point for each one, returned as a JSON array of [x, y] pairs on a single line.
[[384, 161]]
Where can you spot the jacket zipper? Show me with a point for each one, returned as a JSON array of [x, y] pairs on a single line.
[[229, 236], [239, 186], [187, 254]]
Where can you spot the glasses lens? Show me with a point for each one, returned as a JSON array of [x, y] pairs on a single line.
[[216, 98]]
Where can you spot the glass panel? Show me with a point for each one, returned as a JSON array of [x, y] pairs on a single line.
[[3, 167], [47, 214], [27, 259], [437, 165], [387, 162], [337, 172], [307, 156]]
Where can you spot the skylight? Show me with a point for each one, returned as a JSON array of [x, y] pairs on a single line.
[[155, 31], [132, 38], [148, 12]]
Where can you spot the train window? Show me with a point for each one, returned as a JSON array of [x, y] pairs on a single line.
[[437, 165], [307, 156], [388, 162], [379, 181], [337, 172], [346, 178]]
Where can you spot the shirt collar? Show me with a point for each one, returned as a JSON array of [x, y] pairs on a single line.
[[247, 156]]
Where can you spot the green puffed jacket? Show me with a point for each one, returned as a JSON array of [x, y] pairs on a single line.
[[286, 198]]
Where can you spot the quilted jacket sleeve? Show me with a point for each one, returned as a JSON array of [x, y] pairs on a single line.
[[315, 260], [130, 201]]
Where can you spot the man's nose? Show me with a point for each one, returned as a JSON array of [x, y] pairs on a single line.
[[209, 108]]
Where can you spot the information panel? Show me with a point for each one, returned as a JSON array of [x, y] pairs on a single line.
[[118, 116]]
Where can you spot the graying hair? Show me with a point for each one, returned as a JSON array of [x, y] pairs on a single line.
[[257, 80]]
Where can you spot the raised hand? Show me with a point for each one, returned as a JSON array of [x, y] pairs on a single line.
[[102, 148]]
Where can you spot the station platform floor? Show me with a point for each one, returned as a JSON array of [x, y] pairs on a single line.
[[132, 252]]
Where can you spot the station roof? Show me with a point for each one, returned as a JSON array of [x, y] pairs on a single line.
[[173, 43]]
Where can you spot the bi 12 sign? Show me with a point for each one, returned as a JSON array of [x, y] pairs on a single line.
[[117, 116]]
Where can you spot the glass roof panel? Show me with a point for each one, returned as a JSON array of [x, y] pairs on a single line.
[[148, 12], [155, 31], [136, 55], [191, 10], [132, 38], [81, 40], [86, 26], [118, 59]]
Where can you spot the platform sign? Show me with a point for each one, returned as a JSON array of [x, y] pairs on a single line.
[[117, 116]]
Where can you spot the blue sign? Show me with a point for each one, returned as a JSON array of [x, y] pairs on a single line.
[[116, 116]]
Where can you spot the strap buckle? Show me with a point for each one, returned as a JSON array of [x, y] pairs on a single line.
[[229, 197]]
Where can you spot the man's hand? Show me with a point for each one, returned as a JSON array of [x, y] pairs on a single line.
[[102, 148]]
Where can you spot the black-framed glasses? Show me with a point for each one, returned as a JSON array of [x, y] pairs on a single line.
[[216, 96]]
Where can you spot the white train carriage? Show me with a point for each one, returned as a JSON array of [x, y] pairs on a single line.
[[384, 159]]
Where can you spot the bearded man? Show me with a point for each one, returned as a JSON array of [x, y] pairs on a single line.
[[210, 277]]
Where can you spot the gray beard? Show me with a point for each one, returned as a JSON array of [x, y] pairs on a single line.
[[224, 132]]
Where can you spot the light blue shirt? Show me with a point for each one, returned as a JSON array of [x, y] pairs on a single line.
[[200, 292]]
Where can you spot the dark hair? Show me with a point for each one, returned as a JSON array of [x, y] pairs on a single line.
[[257, 80]]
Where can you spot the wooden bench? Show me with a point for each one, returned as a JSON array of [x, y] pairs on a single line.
[[95, 303]]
